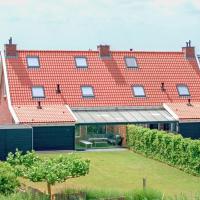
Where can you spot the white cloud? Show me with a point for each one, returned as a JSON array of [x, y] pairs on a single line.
[[175, 6], [13, 2], [196, 4]]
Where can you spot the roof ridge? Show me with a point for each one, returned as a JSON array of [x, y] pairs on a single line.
[[96, 51]]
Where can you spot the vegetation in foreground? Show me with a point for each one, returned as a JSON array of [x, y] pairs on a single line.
[[123, 172], [103, 195], [49, 170]]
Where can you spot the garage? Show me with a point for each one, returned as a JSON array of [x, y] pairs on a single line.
[[190, 129], [53, 138], [14, 137]]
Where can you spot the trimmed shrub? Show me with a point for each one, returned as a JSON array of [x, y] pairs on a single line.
[[183, 153], [8, 179]]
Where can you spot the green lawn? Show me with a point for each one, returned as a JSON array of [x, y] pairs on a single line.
[[124, 170]]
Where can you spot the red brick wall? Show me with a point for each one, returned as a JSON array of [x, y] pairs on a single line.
[[119, 129], [122, 132], [11, 49], [104, 50], [189, 52], [5, 116]]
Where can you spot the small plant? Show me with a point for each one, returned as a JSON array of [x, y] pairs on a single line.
[[8, 179]]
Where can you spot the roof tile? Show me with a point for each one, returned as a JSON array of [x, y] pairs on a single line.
[[111, 79], [48, 114]]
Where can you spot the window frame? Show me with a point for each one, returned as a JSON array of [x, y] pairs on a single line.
[[89, 96], [198, 59], [183, 85], [81, 67], [39, 97], [131, 67], [140, 96], [33, 67]]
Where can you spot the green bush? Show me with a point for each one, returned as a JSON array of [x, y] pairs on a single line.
[[24, 196], [101, 194], [183, 153], [145, 195], [8, 179]]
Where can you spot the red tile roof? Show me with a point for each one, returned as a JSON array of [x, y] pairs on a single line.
[[48, 114], [111, 79], [184, 111]]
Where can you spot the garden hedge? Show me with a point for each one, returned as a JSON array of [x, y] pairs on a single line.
[[173, 149]]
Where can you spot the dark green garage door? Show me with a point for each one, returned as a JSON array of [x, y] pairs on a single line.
[[191, 130], [54, 138], [12, 138]]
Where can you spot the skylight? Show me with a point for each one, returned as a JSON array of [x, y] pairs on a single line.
[[138, 91], [33, 61], [81, 62], [38, 92], [87, 91], [131, 62], [183, 90]]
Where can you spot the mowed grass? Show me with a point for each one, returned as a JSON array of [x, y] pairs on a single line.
[[124, 170]]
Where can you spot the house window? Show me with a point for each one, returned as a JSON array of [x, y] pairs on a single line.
[[138, 91], [33, 61], [183, 90], [153, 126], [198, 56], [87, 91], [81, 62], [38, 92], [131, 62]]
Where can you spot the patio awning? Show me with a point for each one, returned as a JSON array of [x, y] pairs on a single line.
[[86, 116]]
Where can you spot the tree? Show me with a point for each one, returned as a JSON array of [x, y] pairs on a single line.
[[49, 170]]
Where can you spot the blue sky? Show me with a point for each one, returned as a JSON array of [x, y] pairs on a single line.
[[83, 24]]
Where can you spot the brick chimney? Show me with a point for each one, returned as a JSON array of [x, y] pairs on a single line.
[[189, 51], [10, 49], [104, 51]]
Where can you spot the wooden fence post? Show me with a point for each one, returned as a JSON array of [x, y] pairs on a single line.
[[144, 182]]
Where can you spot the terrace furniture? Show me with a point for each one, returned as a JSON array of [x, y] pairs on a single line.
[[86, 143], [99, 140], [114, 139], [111, 138]]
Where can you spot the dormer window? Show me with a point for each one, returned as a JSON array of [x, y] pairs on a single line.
[[81, 62], [33, 61], [38, 92], [183, 90], [138, 91], [198, 56], [87, 91], [131, 62]]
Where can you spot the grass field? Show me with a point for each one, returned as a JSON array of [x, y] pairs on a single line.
[[124, 170]]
